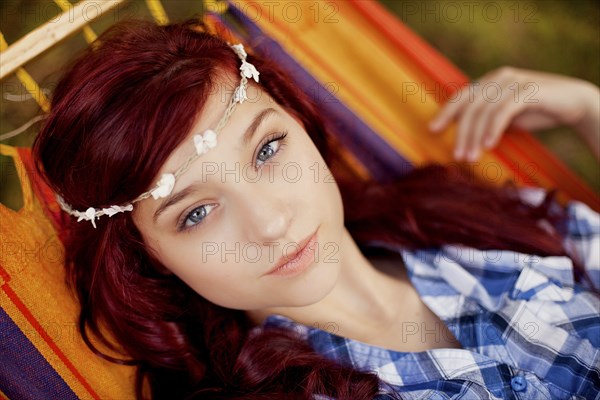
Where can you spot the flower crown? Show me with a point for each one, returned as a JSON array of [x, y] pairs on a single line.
[[203, 143]]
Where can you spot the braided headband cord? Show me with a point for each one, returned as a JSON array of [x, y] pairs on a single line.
[[203, 143]]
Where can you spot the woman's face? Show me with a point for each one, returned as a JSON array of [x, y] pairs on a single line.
[[246, 206]]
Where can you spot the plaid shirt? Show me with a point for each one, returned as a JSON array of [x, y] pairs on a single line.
[[527, 330]]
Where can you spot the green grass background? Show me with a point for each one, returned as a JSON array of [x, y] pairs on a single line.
[[556, 36]]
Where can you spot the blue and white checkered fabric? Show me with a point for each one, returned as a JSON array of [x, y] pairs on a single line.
[[527, 330]]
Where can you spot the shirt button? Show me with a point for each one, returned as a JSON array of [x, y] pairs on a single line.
[[518, 383]]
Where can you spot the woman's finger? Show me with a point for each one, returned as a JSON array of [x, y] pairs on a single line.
[[481, 126], [466, 128], [472, 131], [500, 121], [450, 111]]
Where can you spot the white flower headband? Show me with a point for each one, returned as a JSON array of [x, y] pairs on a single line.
[[202, 143]]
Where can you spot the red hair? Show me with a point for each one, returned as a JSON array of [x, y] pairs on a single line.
[[117, 114]]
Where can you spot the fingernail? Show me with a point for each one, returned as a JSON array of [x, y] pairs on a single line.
[[488, 143], [458, 154], [434, 126], [473, 155]]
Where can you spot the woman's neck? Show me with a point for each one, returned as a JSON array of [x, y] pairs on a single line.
[[362, 300]]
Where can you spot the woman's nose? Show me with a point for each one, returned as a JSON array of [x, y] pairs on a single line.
[[265, 214]]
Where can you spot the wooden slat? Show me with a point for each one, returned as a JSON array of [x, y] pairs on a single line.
[[158, 11], [27, 80], [88, 33], [47, 35]]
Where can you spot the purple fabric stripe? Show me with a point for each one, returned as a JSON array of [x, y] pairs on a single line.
[[24, 372], [383, 162]]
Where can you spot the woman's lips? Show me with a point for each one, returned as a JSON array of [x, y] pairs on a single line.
[[297, 262]]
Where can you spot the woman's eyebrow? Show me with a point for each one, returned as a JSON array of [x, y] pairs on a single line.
[[256, 123], [175, 198]]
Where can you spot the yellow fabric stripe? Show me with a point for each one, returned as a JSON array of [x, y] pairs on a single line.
[[356, 165], [158, 12], [28, 82], [88, 33]]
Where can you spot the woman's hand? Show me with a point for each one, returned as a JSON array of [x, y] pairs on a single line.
[[522, 98]]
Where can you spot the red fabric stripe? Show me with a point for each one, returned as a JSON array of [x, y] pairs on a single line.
[[4, 275]]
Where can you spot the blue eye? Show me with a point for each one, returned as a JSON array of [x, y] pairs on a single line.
[[267, 151], [270, 148], [196, 216]]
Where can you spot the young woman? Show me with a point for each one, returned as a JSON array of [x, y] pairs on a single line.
[[203, 249]]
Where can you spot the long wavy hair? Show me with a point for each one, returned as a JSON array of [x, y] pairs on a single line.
[[119, 111]]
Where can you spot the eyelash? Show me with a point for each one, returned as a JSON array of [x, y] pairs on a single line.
[[280, 136]]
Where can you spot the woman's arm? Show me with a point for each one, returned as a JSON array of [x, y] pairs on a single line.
[[589, 125], [527, 99]]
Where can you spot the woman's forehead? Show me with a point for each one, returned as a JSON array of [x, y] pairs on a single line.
[[215, 106]]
